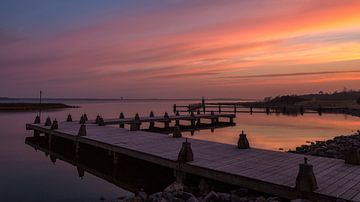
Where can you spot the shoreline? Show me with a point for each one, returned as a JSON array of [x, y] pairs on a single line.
[[33, 106], [336, 147]]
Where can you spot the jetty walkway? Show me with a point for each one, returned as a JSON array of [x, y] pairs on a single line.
[[277, 173]]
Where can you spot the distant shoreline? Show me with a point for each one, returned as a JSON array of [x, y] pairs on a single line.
[[33, 106]]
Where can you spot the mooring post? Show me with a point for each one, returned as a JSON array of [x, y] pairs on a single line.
[[251, 109], [166, 120], [54, 125], [53, 158], [177, 121], [48, 121], [37, 119], [85, 117], [219, 108], [302, 110], [97, 119], [231, 119], [185, 154], [101, 121], [320, 110], [235, 108], [213, 120], [243, 142], [80, 172], [177, 132], [134, 126], [174, 108], [121, 124], [82, 120], [305, 180], [267, 110], [192, 119], [82, 130], [152, 123], [69, 118], [352, 156]]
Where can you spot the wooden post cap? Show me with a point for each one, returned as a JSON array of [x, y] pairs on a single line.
[[82, 120], [305, 180], [69, 118], [243, 142], [166, 116], [48, 121], [54, 125], [37, 119], [97, 119], [121, 116], [185, 154], [137, 117], [177, 132], [101, 121], [82, 130]]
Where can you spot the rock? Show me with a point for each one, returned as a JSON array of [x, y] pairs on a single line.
[[174, 187], [300, 200], [211, 197], [260, 199], [192, 199], [142, 195], [273, 199], [241, 192], [224, 197], [235, 198], [156, 197], [204, 187]]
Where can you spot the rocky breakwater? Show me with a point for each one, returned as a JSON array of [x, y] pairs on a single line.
[[334, 148], [178, 193]]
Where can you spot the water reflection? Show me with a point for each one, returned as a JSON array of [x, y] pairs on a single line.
[[125, 172]]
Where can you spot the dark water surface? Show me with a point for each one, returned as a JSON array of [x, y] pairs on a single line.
[[27, 175]]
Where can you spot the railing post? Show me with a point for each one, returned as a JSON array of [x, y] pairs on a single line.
[[174, 108], [121, 124], [177, 132], [166, 121], [152, 123]]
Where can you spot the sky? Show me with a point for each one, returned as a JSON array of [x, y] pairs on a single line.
[[178, 49]]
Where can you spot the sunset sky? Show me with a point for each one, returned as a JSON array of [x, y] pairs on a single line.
[[178, 49]]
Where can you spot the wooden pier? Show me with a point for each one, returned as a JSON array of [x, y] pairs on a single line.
[[257, 169], [236, 107]]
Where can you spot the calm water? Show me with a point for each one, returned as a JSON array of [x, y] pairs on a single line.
[[27, 175]]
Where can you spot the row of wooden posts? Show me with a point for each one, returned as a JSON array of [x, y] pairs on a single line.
[[222, 108]]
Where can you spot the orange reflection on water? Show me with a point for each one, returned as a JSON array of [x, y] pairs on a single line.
[[286, 132]]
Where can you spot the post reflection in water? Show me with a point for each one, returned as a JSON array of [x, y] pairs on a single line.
[[127, 173]]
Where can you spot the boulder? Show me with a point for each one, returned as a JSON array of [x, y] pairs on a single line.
[[211, 197]]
